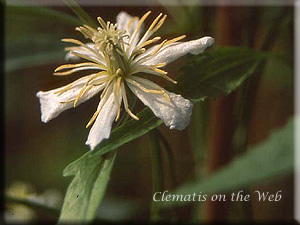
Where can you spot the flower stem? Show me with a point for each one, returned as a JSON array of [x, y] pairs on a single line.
[[157, 171], [170, 157]]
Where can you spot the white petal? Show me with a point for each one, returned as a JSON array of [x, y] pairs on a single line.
[[84, 51], [123, 19], [102, 125], [51, 103], [174, 51], [175, 114]]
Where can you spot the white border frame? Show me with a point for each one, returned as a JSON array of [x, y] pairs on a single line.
[[297, 111], [295, 3]]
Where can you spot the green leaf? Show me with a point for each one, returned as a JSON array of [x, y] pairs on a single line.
[[16, 63], [87, 188], [266, 161], [27, 44], [218, 71], [40, 13], [82, 15], [224, 64]]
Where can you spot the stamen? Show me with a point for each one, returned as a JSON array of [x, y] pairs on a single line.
[[67, 66], [152, 85], [124, 97], [79, 95], [169, 79], [101, 80], [138, 28], [158, 70], [175, 39], [101, 22], [87, 33], [87, 89], [107, 25], [70, 100], [150, 42], [144, 17], [148, 32], [160, 23], [88, 58], [133, 82], [81, 44], [121, 53], [138, 68], [68, 87], [106, 88], [167, 97], [119, 72], [116, 94], [75, 70], [92, 119], [103, 100], [159, 47], [160, 65], [154, 22], [137, 52], [90, 28], [82, 91]]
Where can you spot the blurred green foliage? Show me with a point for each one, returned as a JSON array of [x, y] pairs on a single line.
[[256, 165]]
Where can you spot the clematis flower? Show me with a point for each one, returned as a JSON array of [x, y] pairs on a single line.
[[118, 56]]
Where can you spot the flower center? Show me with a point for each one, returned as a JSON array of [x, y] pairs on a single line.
[[110, 41]]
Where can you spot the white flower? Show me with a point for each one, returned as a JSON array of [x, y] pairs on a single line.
[[117, 53]]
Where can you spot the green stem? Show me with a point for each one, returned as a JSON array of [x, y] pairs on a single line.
[[157, 171], [170, 157]]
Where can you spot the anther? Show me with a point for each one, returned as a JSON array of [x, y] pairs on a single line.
[[101, 22], [119, 72]]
